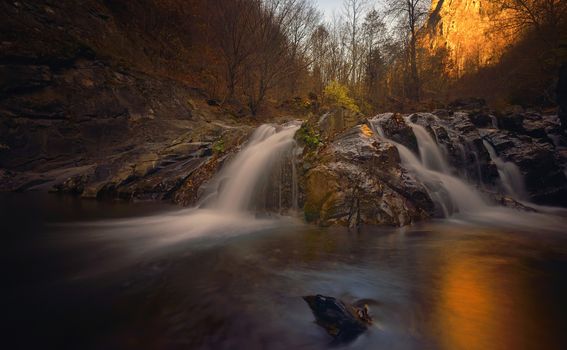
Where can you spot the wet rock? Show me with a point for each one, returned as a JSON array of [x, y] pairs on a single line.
[[512, 122], [395, 128], [539, 163], [343, 321], [335, 121], [18, 79], [481, 119], [357, 179]]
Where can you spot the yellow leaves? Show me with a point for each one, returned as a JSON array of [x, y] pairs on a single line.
[[338, 94]]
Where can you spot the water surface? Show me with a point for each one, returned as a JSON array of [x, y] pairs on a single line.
[[90, 275]]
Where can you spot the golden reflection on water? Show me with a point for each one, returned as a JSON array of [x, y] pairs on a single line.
[[482, 303]]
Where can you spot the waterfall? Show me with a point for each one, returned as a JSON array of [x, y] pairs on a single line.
[[494, 121], [259, 178], [511, 177], [247, 176], [448, 192], [429, 151]]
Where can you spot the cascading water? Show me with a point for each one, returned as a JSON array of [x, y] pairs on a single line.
[[244, 178], [246, 185], [494, 121], [448, 192], [511, 177], [430, 153]]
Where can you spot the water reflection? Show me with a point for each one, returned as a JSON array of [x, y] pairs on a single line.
[[439, 285], [490, 298]]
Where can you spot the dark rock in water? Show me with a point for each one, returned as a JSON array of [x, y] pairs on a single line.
[[344, 322]]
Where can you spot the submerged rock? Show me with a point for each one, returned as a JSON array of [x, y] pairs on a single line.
[[344, 322]]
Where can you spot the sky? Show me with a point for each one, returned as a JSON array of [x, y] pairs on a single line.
[[328, 6]]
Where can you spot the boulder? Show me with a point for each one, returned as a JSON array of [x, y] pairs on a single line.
[[357, 179], [343, 321], [394, 127]]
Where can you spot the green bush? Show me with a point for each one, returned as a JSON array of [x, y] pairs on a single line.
[[338, 94], [308, 137]]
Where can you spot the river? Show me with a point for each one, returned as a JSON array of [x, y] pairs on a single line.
[[92, 275]]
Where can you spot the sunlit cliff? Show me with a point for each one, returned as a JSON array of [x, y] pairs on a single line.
[[472, 33]]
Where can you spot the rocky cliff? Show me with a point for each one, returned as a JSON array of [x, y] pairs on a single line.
[[94, 102], [469, 31]]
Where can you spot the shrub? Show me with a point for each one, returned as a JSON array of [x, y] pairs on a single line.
[[307, 136], [338, 94]]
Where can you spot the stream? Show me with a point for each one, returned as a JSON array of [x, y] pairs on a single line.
[[94, 275]]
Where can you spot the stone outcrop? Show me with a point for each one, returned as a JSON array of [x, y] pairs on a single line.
[[358, 179], [467, 31], [84, 111]]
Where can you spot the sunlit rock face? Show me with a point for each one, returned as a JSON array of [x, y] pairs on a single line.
[[471, 32]]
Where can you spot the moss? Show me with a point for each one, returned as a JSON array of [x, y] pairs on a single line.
[[307, 136], [219, 146]]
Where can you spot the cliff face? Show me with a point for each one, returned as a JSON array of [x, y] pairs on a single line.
[[471, 32]]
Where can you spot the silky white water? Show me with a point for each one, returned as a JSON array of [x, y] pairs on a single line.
[[232, 197], [429, 151], [511, 178], [234, 201], [447, 191], [238, 182]]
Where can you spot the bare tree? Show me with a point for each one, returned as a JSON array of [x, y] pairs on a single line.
[[546, 17], [373, 67], [409, 15], [353, 12], [277, 57], [232, 24]]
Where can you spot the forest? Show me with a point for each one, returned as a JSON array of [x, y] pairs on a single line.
[[253, 53]]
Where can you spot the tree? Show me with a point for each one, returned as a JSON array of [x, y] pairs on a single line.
[[353, 11], [373, 65], [280, 35], [232, 25], [546, 17], [409, 15]]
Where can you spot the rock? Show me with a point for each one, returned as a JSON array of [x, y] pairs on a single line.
[[357, 179], [344, 322], [512, 122], [20, 78], [395, 128], [213, 102], [481, 119], [561, 92], [336, 121], [537, 159]]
